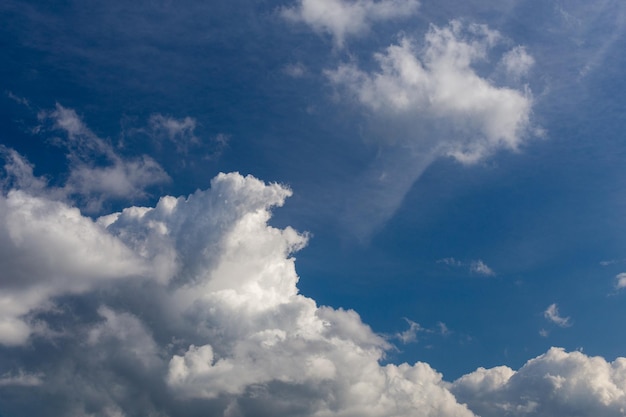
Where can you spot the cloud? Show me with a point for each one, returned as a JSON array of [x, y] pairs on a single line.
[[190, 303], [556, 383], [344, 18], [620, 280], [438, 82], [19, 173], [449, 261], [552, 315], [475, 267], [410, 334], [443, 328], [47, 249], [19, 100], [21, 379], [115, 177], [427, 101], [191, 307], [517, 62], [481, 268], [297, 70]]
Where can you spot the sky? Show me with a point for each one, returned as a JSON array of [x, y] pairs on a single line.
[[316, 208]]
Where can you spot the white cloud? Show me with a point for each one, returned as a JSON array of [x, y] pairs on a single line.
[[517, 62], [410, 334], [344, 18], [481, 268], [49, 249], [438, 82], [620, 280], [556, 383], [193, 305], [19, 173], [427, 100], [195, 298], [552, 315]]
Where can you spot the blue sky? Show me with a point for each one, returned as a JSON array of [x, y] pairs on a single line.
[[436, 186]]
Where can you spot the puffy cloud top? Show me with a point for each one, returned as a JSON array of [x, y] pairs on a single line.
[[556, 383]]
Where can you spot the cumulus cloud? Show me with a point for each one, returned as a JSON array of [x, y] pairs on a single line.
[[192, 301], [344, 18], [191, 307], [438, 82], [552, 314], [47, 249], [431, 102], [556, 383], [620, 280]]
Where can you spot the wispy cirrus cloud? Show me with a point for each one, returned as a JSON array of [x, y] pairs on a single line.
[[556, 383]]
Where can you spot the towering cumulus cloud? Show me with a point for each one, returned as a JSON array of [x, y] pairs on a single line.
[[191, 308], [191, 304]]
